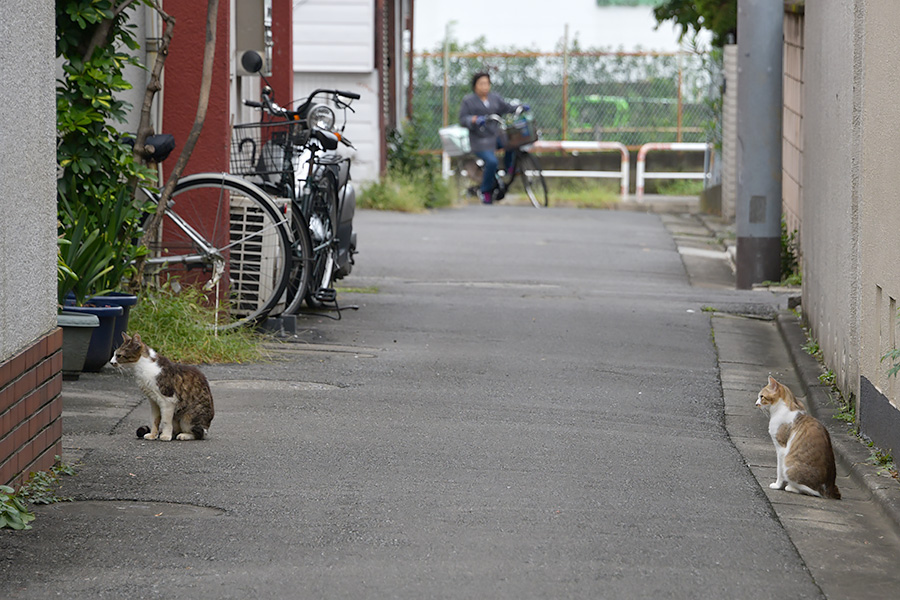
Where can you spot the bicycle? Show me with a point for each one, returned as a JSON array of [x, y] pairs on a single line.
[[520, 133], [226, 236], [291, 158]]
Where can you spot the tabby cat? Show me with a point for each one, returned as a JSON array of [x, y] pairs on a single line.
[[180, 399], [802, 444]]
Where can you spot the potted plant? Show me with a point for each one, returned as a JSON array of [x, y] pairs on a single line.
[[99, 218], [77, 328]]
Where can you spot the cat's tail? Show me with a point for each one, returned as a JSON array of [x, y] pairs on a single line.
[[831, 492]]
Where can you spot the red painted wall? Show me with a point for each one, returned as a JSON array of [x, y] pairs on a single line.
[[282, 79], [181, 87]]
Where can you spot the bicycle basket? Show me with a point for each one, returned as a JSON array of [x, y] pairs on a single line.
[[455, 140], [257, 150], [521, 131]]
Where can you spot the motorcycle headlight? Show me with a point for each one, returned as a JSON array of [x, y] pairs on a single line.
[[321, 116]]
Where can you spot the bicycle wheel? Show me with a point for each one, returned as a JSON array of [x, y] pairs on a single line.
[[323, 233], [470, 176], [301, 265], [532, 179], [225, 237]]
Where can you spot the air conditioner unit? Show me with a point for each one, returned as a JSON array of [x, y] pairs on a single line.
[[252, 265]]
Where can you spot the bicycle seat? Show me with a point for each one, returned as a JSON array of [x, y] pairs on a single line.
[[163, 144]]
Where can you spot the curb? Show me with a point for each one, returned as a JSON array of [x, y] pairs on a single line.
[[848, 450]]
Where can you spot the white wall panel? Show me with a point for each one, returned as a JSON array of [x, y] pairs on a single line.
[[334, 36], [362, 126]]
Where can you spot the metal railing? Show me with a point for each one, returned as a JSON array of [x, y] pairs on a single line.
[[641, 174]]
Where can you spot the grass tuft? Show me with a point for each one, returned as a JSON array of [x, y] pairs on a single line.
[[405, 193], [179, 326], [582, 193]]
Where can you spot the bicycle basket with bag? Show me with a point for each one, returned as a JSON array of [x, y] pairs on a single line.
[[521, 131]]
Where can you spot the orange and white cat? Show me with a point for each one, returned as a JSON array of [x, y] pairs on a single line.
[[802, 444]]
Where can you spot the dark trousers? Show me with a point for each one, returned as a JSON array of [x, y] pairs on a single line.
[[490, 166]]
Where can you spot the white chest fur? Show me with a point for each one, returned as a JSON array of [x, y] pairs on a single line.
[[147, 371], [780, 415]]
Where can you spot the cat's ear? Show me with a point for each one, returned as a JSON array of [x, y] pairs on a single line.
[[137, 338], [773, 384], [125, 337]]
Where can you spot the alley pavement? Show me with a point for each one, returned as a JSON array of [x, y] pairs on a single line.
[[523, 404]]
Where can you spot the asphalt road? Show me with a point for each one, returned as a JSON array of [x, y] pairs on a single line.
[[526, 405]]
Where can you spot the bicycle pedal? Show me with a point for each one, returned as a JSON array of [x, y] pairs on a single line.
[[326, 295]]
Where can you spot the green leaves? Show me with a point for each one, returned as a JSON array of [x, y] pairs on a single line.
[[99, 219], [13, 512]]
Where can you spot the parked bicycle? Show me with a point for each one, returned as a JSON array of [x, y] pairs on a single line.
[[226, 237], [520, 133], [290, 154]]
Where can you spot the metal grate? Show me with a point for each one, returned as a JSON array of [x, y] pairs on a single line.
[[252, 263]]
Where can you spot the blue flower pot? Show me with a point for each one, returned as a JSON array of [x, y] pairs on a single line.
[[126, 301], [100, 348]]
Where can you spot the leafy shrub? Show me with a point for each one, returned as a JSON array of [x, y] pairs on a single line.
[[13, 511], [97, 170]]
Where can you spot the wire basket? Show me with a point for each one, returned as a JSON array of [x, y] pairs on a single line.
[[257, 149], [521, 131]]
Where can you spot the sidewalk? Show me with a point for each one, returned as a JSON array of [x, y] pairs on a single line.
[[851, 546]]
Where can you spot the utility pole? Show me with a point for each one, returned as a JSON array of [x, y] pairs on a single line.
[[758, 211]]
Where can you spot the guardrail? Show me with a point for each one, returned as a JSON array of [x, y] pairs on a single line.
[[622, 174], [641, 173], [555, 146]]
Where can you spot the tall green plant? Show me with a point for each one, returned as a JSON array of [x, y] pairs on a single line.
[[95, 200]]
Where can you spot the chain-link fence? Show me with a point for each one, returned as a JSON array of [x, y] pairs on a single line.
[[628, 97]]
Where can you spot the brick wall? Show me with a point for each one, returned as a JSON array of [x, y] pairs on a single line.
[[792, 123], [729, 133], [31, 409]]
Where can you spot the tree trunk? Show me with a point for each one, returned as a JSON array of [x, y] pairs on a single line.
[[153, 86], [209, 52]]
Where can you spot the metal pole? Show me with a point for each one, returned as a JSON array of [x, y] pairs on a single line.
[[410, 21], [758, 218], [565, 90]]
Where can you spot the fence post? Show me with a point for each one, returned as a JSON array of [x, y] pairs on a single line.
[[446, 107], [565, 90], [680, 99]]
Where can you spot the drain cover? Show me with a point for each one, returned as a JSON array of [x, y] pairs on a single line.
[[133, 508], [270, 385]]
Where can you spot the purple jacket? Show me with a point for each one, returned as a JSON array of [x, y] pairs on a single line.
[[484, 137]]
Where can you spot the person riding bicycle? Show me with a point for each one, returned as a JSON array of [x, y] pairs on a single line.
[[485, 135]]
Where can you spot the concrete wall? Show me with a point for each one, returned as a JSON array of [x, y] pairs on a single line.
[[849, 209], [30, 342], [27, 174], [830, 172], [879, 218]]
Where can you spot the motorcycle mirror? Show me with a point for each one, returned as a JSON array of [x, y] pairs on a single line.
[[252, 61]]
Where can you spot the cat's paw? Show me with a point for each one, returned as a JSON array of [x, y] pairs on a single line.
[[185, 436], [150, 436], [165, 438], [776, 485]]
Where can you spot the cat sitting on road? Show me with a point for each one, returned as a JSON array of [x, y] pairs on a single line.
[[802, 444], [180, 399]]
